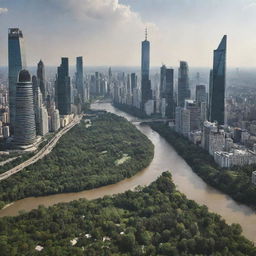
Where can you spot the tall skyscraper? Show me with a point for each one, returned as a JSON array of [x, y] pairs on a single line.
[[146, 92], [25, 128], [201, 95], [16, 62], [80, 78], [41, 79], [166, 91], [217, 84], [133, 81], [169, 93], [41, 115], [183, 84], [63, 88]]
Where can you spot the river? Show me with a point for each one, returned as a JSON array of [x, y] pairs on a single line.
[[165, 158]]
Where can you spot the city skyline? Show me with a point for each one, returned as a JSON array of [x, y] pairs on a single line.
[[80, 29]]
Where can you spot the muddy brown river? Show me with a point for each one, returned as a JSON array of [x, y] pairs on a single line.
[[165, 158]]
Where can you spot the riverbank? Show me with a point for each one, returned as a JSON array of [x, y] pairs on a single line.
[[84, 158], [157, 220], [235, 182]]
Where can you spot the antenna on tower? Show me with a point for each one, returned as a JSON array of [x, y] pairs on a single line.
[[146, 33]]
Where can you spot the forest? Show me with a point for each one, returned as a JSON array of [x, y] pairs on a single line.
[[155, 220], [84, 158], [235, 181]]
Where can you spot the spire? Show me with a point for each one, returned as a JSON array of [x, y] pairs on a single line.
[[223, 43], [146, 34]]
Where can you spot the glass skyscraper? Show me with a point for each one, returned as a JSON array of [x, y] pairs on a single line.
[[80, 78], [63, 88], [16, 62], [166, 89], [146, 92], [41, 78], [25, 128], [183, 84], [217, 84]]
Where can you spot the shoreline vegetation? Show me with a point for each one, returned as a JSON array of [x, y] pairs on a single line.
[[235, 181], [84, 158], [155, 220]]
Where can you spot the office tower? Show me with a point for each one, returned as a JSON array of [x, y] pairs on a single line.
[[24, 130], [217, 84], [41, 79], [16, 62], [182, 120], [146, 92], [183, 84], [63, 88], [168, 93], [162, 81], [195, 114], [201, 95], [133, 81], [41, 115], [80, 78]]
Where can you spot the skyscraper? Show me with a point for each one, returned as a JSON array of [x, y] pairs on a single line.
[[217, 84], [41, 79], [63, 88], [201, 95], [80, 78], [183, 84], [169, 93], [146, 92], [25, 129], [41, 115], [16, 62], [133, 81], [166, 90]]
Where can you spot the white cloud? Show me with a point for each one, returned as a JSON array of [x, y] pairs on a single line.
[[3, 10]]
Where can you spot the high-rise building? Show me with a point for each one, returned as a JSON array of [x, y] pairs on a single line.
[[201, 95], [217, 84], [80, 78], [41, 79], [16, 62], [63, 88], [195, 114], [166, 90], [162, 81], [133, 81], [25, 128], [146, 92], [183, 84], [41, 115]]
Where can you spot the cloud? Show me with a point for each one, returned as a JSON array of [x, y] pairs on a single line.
[[3, 10]]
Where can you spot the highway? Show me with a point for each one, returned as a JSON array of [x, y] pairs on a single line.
[[42, 152]]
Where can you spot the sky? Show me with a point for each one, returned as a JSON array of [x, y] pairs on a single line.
[[109, 32]]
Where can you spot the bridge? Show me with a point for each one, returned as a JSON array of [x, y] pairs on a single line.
[[151, 120]]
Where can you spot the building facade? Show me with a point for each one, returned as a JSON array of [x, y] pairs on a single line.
[[183, 83], [63, 88], [218, 84], [25, 128], [16, 62]]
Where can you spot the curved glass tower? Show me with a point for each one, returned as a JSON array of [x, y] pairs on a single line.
[[16, 62], [217, 84], [24, 130]]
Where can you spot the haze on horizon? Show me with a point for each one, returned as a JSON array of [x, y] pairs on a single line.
[[109, 32]]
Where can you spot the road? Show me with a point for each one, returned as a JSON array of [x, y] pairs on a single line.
[[42, 152]]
